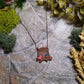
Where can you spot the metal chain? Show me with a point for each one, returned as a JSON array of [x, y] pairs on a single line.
[[46, 28], [30, 34]]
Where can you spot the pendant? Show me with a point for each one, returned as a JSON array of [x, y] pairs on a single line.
[[43, 55]]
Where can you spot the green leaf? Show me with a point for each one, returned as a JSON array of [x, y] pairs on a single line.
[[83, 26], [62, 3], [52, 15], [40, 2], [61, 15], [68, 10], [56, 12]]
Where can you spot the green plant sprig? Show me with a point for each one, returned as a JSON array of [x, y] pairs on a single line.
[[7, 42], [2, 4], [19, 3], [74, 38]]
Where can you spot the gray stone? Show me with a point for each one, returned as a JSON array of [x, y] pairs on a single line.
[[23, 66], [43, 79], [25, 62], [33, 23], [61, 30], [4, 69], [59, 47], [68, 81], [1, 51], [23, 39], [40, 12]]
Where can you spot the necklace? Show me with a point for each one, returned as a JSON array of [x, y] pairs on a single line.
[[43, 52]]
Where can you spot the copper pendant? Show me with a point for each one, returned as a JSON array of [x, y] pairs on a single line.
[[43, 54]]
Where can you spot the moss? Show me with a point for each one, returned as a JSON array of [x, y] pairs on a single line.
[[7, 42], [8, 20], [74, 38]]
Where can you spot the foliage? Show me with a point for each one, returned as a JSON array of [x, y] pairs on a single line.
[[7, 42], [78, 58], [71, 10], [8, 20], [75, 40], [19, 3], [2, 4]]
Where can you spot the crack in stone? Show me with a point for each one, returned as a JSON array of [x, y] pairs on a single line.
[[9, 67], [33, 78], [70, 76], [27, 48]]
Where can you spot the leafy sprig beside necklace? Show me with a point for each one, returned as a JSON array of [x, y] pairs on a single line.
[[75, 39], [2, 4], [19, 3]]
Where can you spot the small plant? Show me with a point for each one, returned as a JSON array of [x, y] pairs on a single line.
[[2, 4], [78, 59], [19, 3], [7, 42], [75, 40], [71, 10], [8, 20]]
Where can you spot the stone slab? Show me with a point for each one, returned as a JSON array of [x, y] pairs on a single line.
[[4, 69], [23, 39], [24, 66], [33, 22], [43, 79], [34, 25]]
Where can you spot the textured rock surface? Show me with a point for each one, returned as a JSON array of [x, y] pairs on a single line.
[[4, 69], [20, 66]]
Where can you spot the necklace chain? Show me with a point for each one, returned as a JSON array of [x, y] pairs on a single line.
[[31, 35]]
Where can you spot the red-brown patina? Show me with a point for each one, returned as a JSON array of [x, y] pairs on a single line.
[[43, 55]]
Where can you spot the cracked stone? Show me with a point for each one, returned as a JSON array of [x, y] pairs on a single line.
[[4, 70], [23, 39], [24, 68], [33, 23], [26, 64], [42, 79]]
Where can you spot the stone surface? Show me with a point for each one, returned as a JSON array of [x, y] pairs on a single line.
[[4, 69], [1, 51], [23, 39], [61, 30], [33, 23], [20, 66], [44, 79]]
